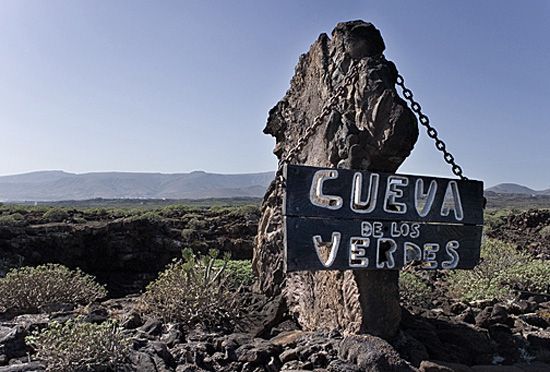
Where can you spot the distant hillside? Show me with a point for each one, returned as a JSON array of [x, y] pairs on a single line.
[[514, 188], [58, 185]]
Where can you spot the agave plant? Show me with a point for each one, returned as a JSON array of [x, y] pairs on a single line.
[[192, 290]]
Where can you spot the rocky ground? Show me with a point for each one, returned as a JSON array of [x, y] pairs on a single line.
[[458, 336], [447, 336]]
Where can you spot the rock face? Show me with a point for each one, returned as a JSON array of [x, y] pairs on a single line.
[[126, 253], [529, 231], [369, 128]]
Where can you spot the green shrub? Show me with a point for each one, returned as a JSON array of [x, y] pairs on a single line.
[[79, 346], [29, 289], [187, 234], [79, 220], [468, 287], [496, 218], [414, 290], [197, 224], [502, 269], [177, 210], [15, 219], [245, 210], [192, 290], [545, 232], [239, 272], [150, 216], [55, 215], [532, 276]]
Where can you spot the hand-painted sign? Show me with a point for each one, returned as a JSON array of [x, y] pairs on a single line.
[[339, 219]]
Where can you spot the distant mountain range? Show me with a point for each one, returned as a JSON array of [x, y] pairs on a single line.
[[514, 188], [59, 185]]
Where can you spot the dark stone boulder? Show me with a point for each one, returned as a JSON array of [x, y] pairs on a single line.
[[371, 354]]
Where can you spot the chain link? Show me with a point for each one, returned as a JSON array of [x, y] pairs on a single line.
[[432, 132], [341, 91], [349, 81]]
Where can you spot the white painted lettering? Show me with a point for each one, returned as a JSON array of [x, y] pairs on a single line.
[[451, 249], [384, 253], [358, 252], [364, 206], [415, 230], [423, 201], [394, 192], [456, 204], [412, 253], [326, 251], [316, 195], [430, 250]]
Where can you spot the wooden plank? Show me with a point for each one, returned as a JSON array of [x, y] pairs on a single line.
[[380, 236], [392, 203]]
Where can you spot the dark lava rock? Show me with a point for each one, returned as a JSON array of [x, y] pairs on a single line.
[[258, 352], [467, 316], [507, 347], [535, 320], [12, 341], [131, 320], [448, 341], [523, 230], [23, 367], [127, 253], [411, 349], [152, 327], [497, 314], [371, 353]]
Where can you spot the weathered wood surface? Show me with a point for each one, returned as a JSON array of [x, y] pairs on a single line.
[[299, 180], [302, 252]]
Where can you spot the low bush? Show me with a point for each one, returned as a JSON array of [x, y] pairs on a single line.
[[55, 215], [545, 232], [532, 276], [79, 220], [177, 210], [496, 218], [150, 216], [187, 234], [245, 210], [239, 272], [79, 346], [29, 289], [197, 224], [14, 219], [502, 269], [414, 290], [192, 290]]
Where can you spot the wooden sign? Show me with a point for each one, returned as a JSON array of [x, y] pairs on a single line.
[[339, 219]]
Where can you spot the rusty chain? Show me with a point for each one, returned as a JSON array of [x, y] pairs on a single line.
[[349, 81], [341, 91], [432, 132]]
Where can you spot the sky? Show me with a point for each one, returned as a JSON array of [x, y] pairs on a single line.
[[176, 86]]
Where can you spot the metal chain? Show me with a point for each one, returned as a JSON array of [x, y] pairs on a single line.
[[432, 132], [349, 81], [331, 106]]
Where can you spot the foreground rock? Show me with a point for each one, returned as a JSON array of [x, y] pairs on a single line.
[[369, 128], [435, 341]]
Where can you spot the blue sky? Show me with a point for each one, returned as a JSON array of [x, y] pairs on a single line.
[[174, 86]]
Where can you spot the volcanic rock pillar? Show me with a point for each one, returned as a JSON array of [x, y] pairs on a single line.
[[370, 128]]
